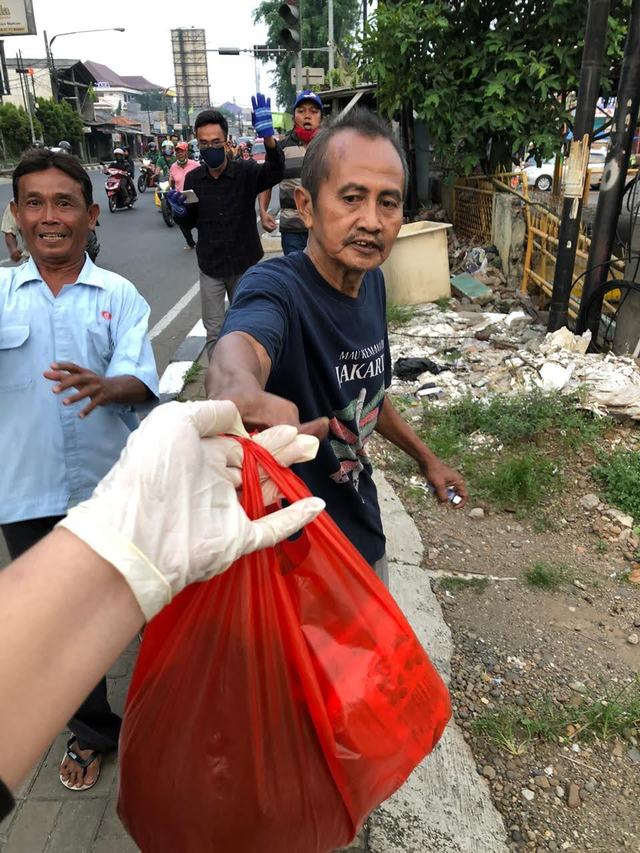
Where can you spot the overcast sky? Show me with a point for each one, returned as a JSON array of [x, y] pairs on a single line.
[[145, 47]]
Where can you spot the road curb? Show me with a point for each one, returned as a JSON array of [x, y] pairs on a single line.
[[444, 805], [189, 351]]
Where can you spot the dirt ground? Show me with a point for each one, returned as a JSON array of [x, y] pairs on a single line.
[[518, 647]]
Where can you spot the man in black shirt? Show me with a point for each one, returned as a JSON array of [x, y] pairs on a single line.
[[225, 213]]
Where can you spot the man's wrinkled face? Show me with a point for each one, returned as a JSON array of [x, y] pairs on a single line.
[[181, 155], [308, 115], [357, 214], [53, 216]]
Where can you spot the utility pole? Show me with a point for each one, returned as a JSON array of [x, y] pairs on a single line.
[[589, 89], [25, 92], [611, 195], [51, 67], [330, 44]]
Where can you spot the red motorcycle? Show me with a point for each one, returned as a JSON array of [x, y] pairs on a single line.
[[120, 192]]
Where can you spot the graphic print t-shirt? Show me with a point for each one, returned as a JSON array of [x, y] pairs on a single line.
[[330, 356]]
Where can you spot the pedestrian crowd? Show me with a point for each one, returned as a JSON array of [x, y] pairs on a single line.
[[304, 343]]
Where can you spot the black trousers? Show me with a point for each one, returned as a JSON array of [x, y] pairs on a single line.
[[186, 233], [94, 723]]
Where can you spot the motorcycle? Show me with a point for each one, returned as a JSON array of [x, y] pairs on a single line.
[[119, 192], [147, 176], [162, 190]]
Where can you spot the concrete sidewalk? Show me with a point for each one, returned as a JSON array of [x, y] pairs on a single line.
[[445, 806]]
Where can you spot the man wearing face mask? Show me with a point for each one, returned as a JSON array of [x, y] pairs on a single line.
[[228, 240], [307, 118]]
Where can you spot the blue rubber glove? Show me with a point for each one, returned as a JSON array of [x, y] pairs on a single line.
[[261, 117], [177, 201]]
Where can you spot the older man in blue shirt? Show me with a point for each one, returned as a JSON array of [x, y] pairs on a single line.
[[75, 365]]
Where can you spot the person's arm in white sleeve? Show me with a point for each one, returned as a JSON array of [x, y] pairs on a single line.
[[176, 468]]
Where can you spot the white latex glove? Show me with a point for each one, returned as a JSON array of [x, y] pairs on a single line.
[[167, 514]]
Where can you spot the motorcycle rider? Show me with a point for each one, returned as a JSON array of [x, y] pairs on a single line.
[[177, 173], [166, 160], [64, 146], [152, 153], [129, 159], [119, 162]]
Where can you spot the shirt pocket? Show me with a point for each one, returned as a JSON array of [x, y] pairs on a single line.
[[99, 347], [15, 372]]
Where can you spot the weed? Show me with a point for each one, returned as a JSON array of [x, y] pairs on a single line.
[[509, 421], [191, 374], [399, 315], [603, 719], [417, 493], [602, 547], [520, 481], [457, 584], [503, 728], [545, 576], [619, 475], [443, 303]]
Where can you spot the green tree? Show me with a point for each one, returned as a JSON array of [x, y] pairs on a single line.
[[15, 129], [118, 111], [153, 100], [490, 77], [314, 33], [59, 121]]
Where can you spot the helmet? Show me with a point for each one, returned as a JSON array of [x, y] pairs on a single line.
[[167, 143], [151, 146], [38, 143], [182, 146], [64, 145], [117, 151]]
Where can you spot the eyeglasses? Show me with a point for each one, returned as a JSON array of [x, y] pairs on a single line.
[[217, 143]]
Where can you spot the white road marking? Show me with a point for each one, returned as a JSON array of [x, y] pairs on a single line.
[[171, 315]]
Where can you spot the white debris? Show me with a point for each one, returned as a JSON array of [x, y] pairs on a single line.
[[512, 360]]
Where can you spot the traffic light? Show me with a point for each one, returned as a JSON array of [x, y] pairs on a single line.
[[290, 34]]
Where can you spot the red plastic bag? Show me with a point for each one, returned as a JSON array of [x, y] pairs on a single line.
[[275, 706]]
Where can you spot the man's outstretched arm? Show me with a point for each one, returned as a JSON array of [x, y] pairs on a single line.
[[395, 429], [239, 371]]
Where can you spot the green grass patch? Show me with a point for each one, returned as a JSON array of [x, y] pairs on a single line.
[[514, 729], [191, 374], [443, 303], [511, 420], [619, 477], [548, 577], [399, 315], [522, 481], [458, 584]]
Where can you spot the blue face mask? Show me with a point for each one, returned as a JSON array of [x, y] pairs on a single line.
[[213, 157]]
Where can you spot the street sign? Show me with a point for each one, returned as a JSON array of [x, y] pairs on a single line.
[[16, 18], [310, 77]]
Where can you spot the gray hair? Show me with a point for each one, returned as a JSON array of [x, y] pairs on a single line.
[[315, 166]]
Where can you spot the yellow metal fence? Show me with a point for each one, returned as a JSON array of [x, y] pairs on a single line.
[[473, 219]]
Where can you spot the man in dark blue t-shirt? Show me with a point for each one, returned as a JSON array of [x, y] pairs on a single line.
[[305, 341]]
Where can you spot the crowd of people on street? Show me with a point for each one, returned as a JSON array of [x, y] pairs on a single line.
[[304, 344]]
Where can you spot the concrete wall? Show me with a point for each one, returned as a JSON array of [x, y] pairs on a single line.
[[509, 234]]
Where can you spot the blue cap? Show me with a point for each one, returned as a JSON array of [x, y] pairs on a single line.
[[308, 96]]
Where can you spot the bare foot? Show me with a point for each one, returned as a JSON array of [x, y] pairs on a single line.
[[76, 776]]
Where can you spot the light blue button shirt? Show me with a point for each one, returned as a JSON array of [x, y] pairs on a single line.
[[51, 459]]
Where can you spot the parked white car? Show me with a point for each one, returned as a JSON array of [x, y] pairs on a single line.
[[541, 177]]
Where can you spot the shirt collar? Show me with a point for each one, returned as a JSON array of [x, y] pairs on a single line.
[[230, 170], [89, 274]]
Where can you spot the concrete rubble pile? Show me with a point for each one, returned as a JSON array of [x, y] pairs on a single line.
[[506, 351]]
